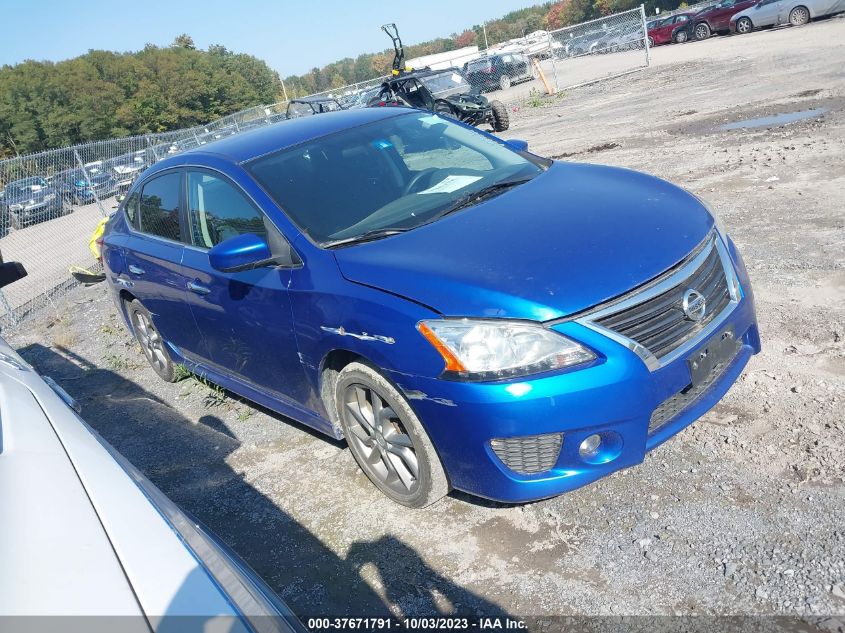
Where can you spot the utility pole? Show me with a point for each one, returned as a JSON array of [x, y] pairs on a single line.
[[484, 28], [284, 90]]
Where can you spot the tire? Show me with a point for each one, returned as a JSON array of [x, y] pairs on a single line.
[[151, 342], [701, 31], [650, 41], [504, 82], [681, 37], [501, 121], [14, 221], [799, 16], [744, 25], [387, 439]]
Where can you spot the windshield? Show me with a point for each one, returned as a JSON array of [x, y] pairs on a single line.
[[445, 82], [26, 186], [396, 173], [479, 64]]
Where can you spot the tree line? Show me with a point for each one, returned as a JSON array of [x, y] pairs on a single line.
[[103, 95]]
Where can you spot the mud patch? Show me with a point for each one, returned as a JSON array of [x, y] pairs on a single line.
[[592, 150]]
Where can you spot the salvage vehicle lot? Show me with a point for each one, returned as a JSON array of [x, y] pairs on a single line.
[[741, 513]]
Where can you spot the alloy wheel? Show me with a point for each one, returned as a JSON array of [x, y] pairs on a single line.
[[380, 437], [702, 32], [799, 16], [743, 25], [150, 341]]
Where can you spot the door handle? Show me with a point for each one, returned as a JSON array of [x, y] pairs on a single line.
[[135, 270], [193, 286]]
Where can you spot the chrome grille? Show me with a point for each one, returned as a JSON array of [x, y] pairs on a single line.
[[530, 453], [658, 323]]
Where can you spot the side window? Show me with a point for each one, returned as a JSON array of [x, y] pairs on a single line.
[[219, 210], [682, 18], [160, 207], [130, 208]]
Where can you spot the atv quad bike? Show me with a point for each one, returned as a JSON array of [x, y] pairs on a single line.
[[446, 92]]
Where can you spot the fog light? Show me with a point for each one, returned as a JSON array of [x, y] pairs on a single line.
[[590, 446]]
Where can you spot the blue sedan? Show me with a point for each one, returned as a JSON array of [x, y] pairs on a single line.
[[464, 313]]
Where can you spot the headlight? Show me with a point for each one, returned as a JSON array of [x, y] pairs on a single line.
[[493, 349]]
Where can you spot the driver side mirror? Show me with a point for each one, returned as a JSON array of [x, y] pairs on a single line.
[[241, 252], [517, 144]]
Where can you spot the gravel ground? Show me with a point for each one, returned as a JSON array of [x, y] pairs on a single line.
[[742, 513]]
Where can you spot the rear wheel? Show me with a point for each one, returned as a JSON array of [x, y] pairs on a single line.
[[650, 41], [799, 16], [702, 31], [501, 122], [744, 25], [387, 439], [14, 221], [152, 344], [504, 82]]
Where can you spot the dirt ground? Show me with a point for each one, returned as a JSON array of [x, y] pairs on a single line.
[[742, 513]]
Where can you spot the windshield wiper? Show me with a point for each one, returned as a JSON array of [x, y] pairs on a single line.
[[367, 236], [475, 197]]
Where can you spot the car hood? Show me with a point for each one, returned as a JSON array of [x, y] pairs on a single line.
[[31, 197], [569, 239]]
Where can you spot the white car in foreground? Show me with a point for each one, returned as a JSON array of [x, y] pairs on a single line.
[[82, 532]]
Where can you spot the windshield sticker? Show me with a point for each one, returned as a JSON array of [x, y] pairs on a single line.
[[450, 184], [382, 144]]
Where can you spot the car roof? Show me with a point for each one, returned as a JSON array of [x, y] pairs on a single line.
[[245, 146]]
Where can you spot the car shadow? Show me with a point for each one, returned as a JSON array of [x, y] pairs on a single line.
[[187, 461]]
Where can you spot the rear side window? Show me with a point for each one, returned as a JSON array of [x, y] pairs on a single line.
[[130, 207], [160, 207], [219, 210]]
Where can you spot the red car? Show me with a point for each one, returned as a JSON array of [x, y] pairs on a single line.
[[714, 19], [660, 31]]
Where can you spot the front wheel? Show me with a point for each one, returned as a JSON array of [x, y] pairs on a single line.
[[681, 37], [504, 82], [702, 31], [387, 439], [799, 16], [743, 26], [501, 121], [650, 41]]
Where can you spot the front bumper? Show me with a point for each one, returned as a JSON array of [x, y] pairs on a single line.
[[614, 396], [39, 213]]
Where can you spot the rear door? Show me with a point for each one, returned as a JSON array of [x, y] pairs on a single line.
[[766, 13], [244, 317], [153, 255]]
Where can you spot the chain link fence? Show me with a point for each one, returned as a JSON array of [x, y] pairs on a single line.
[[51, 202]]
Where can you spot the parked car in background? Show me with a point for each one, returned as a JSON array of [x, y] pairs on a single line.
[[579, 44], [660, 31], [86, 534], [713, 19], [125, 169], [498, 71], [28, 201], [308, 106], [84, 185], [620, 38], [776, 12], [215, 135], [424, 290]]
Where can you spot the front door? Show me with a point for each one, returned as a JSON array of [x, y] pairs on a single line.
[[244, 317]]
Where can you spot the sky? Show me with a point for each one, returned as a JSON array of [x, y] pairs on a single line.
[[292, 36]]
